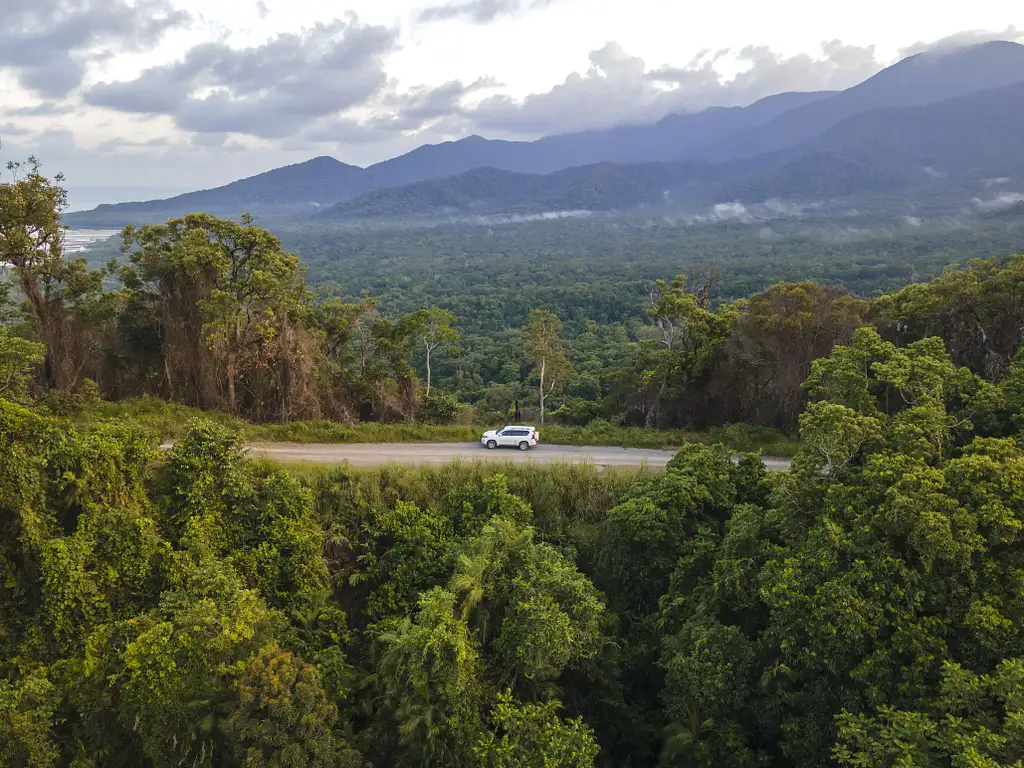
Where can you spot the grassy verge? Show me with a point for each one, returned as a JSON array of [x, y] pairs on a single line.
[[170, 420], [561, 495]]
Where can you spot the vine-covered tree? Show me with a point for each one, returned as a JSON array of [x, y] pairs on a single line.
[[230, 311], [689, 334], [61, 295]]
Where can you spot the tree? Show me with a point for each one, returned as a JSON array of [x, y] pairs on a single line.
[[547, 353], [434, 328], [775, 336], [532, 611], [428, 682], [689, 336], [58, 292], [534, 735], [283, 718], [977, 310], [172, 670], [339, 322], [17, 359], [366, 315], [26, 717], [976, 722], [18, 356], [227, 289]]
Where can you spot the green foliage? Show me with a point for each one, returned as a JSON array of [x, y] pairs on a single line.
[[977, 721], [534, 735], [27, 716], [174, 679], [18, 357], [439, 408], [284, 719], [428, 678], [863, 608], [529, 605]]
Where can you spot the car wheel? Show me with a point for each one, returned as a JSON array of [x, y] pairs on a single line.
[[491, 444], [524, 446]]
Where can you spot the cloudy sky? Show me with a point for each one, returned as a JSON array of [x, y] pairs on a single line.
[[148, 96]]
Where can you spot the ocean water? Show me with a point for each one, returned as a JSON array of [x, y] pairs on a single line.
[[76, 240]]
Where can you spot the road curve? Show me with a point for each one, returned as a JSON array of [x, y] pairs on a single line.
[[379, 454]]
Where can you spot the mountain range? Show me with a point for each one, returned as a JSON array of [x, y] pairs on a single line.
[[934, 122]]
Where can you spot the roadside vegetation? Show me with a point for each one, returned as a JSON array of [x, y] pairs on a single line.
[[171, 420]]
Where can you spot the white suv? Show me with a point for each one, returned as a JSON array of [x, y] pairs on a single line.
[[523, 438]]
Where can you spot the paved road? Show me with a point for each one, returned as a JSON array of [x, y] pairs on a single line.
[[373, 455]]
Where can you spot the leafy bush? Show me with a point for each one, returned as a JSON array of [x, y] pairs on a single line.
[[439, 408]]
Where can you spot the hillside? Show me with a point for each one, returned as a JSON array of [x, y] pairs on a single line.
[[300, 187], [919, 80], [948, 147], [622, 144], [598, 187], [324, 181]]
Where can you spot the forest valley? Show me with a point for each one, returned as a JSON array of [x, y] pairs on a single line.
[[214, 314], [195, 608]]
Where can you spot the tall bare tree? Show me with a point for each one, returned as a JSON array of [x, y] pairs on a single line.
[[435, 331], [547, 353]]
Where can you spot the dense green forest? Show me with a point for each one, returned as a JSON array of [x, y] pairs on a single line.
[[748, 344], [865, 608]]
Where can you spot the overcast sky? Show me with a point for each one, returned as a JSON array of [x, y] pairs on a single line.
[[182, 94]]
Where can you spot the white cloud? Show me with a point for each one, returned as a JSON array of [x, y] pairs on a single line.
[[999, 203], [621, 88], [964, 39]]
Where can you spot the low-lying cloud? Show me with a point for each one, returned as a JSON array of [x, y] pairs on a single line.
[[748, 214], [526, 218], [1000, 203], [964, 39]]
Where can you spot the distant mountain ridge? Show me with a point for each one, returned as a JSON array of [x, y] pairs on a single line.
[[919, 80], [954, 144], [325, 181], [482, 191], [320, 181], [767, 147]]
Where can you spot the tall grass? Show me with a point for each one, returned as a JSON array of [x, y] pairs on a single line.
[[562, 496], [170, 420]]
